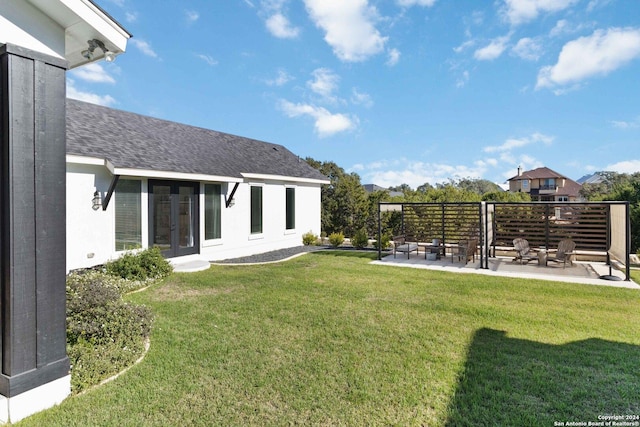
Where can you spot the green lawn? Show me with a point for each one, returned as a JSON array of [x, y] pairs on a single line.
[[327, 339]]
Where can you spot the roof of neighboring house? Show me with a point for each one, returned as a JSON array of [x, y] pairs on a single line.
[[370, 188], [571, 188], [133, 141], [594, 178], [538, 173]]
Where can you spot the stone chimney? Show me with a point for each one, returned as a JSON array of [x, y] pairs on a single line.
[[519, 170]]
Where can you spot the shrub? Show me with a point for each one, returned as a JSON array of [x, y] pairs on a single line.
[[104, 333], [148, 264], [384, 242], [309, 239], [360, 239], [336, 239]]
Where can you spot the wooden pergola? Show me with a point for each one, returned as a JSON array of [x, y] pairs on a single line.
[[601, 228]]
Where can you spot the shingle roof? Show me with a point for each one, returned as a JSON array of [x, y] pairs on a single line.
[[538, 173], [133, 141]]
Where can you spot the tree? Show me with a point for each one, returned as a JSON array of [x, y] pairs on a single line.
[[344, 200], [479, 186], [505, 196]]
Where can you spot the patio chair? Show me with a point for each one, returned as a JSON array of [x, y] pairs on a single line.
[[466, 250], [564, 254], [404, 244], [523, 252]]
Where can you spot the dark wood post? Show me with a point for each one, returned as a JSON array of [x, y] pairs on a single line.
[[32, 219]]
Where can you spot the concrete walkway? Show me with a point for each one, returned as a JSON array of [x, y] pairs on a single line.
[[190, 266], [581, 272]]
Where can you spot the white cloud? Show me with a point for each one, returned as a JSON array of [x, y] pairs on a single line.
[[493, 50], [192, 16], [93, 98], [464, 46], [409, 3], [463, 79], [625, 166], [594, 4], [131, 17], [513, 143], [560, 28], [361, 98], [279, 26], [565, 27], [207, 58], [520, 11], [620, 124], [415, 173], [597, 54], [144, 47], [394, 57], [528, 49], [349, 27], [281, 79], [93, 72], [325, 83], [326, 123]]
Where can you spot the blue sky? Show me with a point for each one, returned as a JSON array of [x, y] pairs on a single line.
[[398, 91]]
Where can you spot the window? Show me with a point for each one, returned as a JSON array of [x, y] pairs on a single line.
[[525, 184], [291, 208], [212, 211], [256, 210], [548, 184], [128, 215]]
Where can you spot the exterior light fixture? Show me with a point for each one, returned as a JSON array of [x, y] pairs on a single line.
[[97, 201], [95, 43]]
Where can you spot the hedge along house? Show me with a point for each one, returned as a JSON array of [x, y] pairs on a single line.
[[39, 41], [135, 182]]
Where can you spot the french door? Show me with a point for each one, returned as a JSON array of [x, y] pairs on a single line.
[[173, 217]]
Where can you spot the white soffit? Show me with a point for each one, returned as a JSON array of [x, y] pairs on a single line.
[[267, 177], [146, 173], [83, 20]]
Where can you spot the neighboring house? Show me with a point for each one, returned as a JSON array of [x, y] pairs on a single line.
[[136, 182], [594, 178], [545, 185], [370, 188]]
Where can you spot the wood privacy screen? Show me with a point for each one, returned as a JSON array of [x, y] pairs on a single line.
[[449, 222], [545, 224]]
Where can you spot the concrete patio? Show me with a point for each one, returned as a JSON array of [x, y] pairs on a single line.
[[580, 272]]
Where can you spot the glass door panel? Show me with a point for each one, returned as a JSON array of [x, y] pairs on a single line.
[[161, 224], [187, 217]]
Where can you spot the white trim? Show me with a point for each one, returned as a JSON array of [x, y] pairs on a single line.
[[82, 160], [95, 17], [147, 173], [174, 175], [14, 409], [284, 178]]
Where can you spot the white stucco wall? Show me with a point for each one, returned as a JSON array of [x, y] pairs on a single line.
[[91, 234], [237, 239], [24, 25]]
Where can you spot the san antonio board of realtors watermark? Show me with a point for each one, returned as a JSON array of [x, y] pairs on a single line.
[[604, 421]]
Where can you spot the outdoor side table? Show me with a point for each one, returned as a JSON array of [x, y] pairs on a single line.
[[433, 251], [542, 257]]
